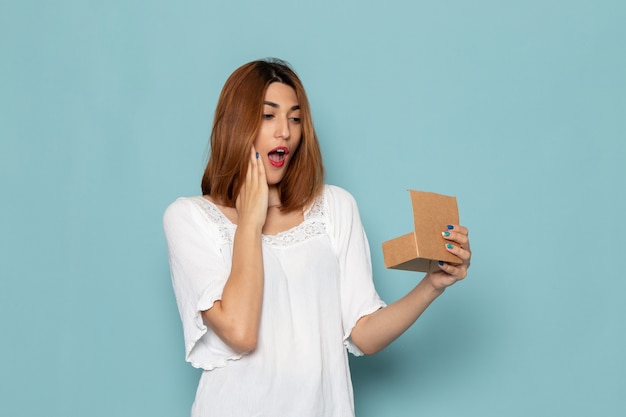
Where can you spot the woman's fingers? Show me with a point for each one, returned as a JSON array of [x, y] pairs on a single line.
[[252, 174], [252, 200], [260, 168], [457, 237], [255, 175], [456, 272], [457, 233]]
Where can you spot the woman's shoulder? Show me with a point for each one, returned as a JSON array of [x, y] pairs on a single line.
[[198, 216], [183, 205], [334, 194], [339, 202], [192, 208]]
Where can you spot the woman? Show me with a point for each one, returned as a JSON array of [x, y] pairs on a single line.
[[271, 268]]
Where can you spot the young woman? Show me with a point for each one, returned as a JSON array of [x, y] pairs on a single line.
[[271, 268]]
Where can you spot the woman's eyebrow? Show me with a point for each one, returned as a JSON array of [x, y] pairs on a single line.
[[276, 106]]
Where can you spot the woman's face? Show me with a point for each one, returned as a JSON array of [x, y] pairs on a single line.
[[280, 132]]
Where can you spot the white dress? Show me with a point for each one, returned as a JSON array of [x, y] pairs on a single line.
[[318, 283]]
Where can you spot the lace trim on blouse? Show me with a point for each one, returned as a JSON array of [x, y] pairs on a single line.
[[314, 224]]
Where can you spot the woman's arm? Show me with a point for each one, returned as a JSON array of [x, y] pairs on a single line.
[[236, 317], [376, 331]]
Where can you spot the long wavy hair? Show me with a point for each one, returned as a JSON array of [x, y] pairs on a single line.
[[237, 121]]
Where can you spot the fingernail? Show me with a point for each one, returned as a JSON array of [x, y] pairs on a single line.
[[257, 157], [440, 263], [445, 234], [450, 227], [449, 246]]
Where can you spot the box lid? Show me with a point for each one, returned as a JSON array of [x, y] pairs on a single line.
[[432, 213], [421, 249]]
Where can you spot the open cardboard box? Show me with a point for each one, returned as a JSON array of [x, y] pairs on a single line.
[[423, 248]]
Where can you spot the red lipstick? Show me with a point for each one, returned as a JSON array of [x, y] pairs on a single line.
[[278, 156]]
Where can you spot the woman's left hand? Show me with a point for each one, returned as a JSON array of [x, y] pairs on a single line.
[[459, 245], [374, 331]]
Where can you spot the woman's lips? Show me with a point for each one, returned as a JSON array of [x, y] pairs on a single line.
[[278, 156]]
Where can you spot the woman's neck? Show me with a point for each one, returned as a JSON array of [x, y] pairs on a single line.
[[273, 199]]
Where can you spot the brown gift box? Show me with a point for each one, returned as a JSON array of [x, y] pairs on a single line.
[[421, 249]]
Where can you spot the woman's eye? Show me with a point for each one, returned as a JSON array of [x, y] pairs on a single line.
[[295, 119], [267, 116]]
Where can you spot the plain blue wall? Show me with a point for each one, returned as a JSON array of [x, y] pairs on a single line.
[[518, 109]]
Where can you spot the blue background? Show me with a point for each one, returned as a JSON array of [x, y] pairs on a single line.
[[516, 108]]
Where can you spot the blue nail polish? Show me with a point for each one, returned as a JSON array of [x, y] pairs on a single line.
[[257, 157], [445, 234], [449, 245], [440, 263], [450, 227]]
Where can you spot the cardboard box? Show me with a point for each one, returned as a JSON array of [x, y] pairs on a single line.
[[423, 248]]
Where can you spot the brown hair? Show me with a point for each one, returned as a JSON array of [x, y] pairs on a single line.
[[238, 117]]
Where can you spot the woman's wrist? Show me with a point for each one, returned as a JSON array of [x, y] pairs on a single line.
[[429, 288]]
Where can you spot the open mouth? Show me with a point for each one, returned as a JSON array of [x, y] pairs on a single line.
[[278, 156]]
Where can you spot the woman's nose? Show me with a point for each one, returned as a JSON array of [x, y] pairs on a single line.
[[282, 128]]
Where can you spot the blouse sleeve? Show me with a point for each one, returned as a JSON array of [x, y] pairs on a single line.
[[358, 295], [199, 272]]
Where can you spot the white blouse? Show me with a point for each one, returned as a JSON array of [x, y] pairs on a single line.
[[318, 283]]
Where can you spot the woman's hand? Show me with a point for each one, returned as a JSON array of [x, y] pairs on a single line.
[[377, 330], [252, 201], [458, 244], [236, 316]]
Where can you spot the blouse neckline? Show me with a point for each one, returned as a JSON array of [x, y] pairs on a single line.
[[310, 226]]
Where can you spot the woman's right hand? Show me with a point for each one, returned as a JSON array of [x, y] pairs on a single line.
[[252, 201], [236, 316]]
